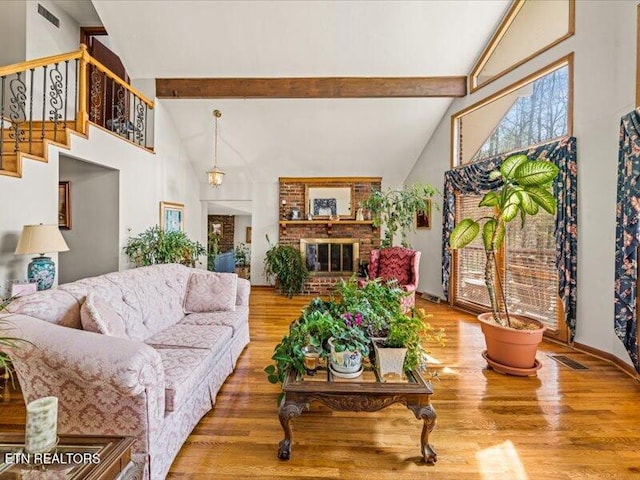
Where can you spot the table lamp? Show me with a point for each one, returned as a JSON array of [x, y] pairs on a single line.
[[41, 239]]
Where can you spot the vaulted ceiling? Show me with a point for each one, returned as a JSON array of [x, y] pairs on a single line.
[[320, 137]]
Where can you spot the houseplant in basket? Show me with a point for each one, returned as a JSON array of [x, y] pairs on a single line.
[[284, 264], [511, 340]]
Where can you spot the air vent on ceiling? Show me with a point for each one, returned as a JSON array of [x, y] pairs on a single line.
[[49, 16]]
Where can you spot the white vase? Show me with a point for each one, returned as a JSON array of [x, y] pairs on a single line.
[[344, 362], [390, 361]]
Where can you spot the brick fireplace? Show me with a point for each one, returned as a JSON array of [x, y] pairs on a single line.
[[333, 247]]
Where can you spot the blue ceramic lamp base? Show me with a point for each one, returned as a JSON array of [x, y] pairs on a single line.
[[43, 271]]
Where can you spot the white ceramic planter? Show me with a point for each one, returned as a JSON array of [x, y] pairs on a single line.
[[390, 360], [344, 362]]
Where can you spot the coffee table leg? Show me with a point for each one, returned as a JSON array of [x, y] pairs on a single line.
[[288, 411], [428, 415]]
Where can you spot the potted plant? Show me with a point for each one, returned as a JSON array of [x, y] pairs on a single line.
[[6, 341], [347, 344], [155, 246], [213, 242], [395, 210], [402, 348], [284, 264], [511, 340], [243, 260]]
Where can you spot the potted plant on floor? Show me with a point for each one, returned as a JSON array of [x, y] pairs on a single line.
[[395, 210], [243, 260], [511, 340], [284, 265], [155, 246]]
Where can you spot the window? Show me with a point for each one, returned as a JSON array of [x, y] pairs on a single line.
[[529, 28], [533, 111], [526, 267]]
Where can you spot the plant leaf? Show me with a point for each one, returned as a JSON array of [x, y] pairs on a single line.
[[487, 234], [528, 204], [494, 175], [490, 199], [273, 379], [510, 212], [464, 233], [535, 173], [270, 369], [544, 198], [510, 165]]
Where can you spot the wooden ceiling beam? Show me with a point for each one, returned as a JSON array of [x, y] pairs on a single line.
[[313, 87]]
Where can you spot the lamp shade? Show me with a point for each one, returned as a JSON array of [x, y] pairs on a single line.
[[41, 239]]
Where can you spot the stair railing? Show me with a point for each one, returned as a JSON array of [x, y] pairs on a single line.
[[40, 99]]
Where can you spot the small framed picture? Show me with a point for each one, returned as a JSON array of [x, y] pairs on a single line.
[[216, 229], [64, 205], [247, 239], [172, 217], [423, 217]]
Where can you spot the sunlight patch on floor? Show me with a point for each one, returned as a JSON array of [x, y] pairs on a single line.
[[501, 461]]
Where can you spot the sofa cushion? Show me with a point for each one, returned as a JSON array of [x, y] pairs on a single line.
[[210, 292], [211, 337], [235, 319], [53, 306], [125, 304], [98, 316], [185, 369]]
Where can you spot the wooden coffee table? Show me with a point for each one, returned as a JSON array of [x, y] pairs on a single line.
[[113, 453], [366, 393]]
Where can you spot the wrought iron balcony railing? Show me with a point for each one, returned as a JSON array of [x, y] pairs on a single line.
[[41, 99]]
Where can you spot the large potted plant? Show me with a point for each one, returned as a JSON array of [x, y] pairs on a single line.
[[284, 265], [511, 340], [395, 210], [155, 246]]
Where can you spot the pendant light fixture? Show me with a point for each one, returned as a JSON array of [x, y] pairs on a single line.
[[215, 174]]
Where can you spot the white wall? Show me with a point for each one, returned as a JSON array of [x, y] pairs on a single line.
[[240, 229], [45, 39], [13, 32], [93, 237], [604, 90]]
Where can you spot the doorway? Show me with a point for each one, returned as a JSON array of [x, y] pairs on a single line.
[[92, 231]]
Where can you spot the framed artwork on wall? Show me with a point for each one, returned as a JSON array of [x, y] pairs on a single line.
[[172, 217], [423, 217], [64, 205], [247, 239]]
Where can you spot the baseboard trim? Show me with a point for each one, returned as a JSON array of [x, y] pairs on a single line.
[[607, 357]]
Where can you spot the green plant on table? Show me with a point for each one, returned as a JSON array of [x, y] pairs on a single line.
[[412, 332], [395, 210], [155, 246], [7, 341], [284, 264], [375, 300], [525, 189]]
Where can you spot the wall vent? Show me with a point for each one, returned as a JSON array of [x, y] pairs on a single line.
[[430, 297], [49, 16]]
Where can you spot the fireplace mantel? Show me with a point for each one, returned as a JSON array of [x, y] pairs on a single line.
[[329, 223]]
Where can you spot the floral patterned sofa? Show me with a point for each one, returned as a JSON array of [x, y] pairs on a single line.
[[155, 385]]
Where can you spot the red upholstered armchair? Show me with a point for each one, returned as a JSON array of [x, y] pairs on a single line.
[[401, 264]]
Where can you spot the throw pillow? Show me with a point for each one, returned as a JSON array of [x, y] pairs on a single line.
[[211, 292], [96, 315]]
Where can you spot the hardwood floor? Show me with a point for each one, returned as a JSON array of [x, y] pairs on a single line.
[[562, 424]]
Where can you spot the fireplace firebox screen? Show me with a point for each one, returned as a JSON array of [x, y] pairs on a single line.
[[330, 256]]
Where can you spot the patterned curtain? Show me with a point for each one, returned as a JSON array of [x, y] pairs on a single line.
[[628, 235], [474, 179]]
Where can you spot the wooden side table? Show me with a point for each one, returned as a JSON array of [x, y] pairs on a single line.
[[78, 457]]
